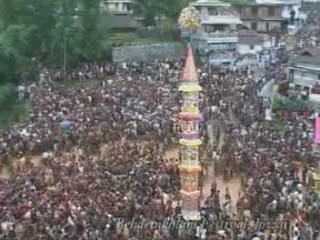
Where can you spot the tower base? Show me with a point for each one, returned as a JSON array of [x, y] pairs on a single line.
[[190, 205]]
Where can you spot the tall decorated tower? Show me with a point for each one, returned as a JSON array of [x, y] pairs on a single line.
[[190, 140]]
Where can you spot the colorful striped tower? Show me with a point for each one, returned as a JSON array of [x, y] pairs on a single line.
[[190, 141]]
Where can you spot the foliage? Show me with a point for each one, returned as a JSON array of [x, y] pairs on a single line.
[[290, 105], [46, 32], [120, 39], [172, 8], [10, 110], [189, 19], [149, 10], [62, 33], [43, 30]]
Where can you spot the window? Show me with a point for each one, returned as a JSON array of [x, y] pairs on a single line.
[[291, 76], [212, 11], [271, 11], [219, 28], [128, 6], [254, 11], [254, 26]]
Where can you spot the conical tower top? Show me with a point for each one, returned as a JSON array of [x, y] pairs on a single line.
[[190, 70]]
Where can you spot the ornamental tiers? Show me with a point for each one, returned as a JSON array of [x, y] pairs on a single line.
[[190, 140]]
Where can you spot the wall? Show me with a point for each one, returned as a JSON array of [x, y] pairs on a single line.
[[262, 12], [203, 11], [314, 98], [117, 7], [304, 78], [246, 49], [262, 25], [274, 20], [147, 52]]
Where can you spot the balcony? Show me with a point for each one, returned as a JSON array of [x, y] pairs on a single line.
[[221, 58], [217, 37], [221, 19], [222, 35]]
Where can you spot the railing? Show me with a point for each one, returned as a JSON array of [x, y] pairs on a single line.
[[216, 35], [222, 35], [224, 15], [220, 56], [314, 97]]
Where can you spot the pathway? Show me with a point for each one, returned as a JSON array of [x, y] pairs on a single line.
[[268, 90], [233, 185]]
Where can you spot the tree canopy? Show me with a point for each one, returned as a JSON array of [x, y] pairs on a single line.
[[37, 30], [149, 10], [49, 31]]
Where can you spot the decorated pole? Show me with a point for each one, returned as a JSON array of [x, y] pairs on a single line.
[[190, 141], [189, 21]]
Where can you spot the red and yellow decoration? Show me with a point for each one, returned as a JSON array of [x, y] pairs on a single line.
[[189, 119]]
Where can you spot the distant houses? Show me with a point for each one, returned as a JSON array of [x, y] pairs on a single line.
[[304, 75], [121, 15], [217, 39]]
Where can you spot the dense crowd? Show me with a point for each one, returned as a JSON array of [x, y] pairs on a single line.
[[103, 165]]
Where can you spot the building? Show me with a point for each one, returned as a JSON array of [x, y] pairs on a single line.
[[304, 75], [272, 16], [118, 7], [252, 43], [293, 15], [120, 13], [262, 17], [189, 166], [217, 40]]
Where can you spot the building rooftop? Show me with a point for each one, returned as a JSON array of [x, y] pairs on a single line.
[[282, 2], [210, 3], [310, 56], [251, 39], [260, 3]]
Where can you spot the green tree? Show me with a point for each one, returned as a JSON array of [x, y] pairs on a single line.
[[50, 32], [92, 30], [172, 8], [13, 51], [150, 9]]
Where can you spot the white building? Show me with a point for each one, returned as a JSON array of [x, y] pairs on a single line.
[[118, 7], [252, 43], [290, 8], [294, 16], [217, 40], [304, 75], [121, 13]]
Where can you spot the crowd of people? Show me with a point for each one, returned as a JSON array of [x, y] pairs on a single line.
[[104, 173]]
